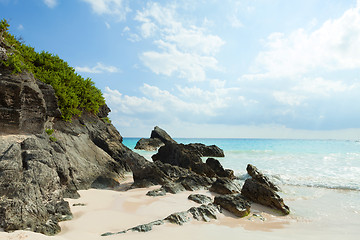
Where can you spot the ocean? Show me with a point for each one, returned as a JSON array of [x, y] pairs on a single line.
[[333, 164]]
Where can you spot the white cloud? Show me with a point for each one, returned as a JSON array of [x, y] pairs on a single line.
[[51, 3], [20, 27], [186, 51], [333, 46], [108, 26], [99, 68], [288, 98], [117, 8], [321, 86]]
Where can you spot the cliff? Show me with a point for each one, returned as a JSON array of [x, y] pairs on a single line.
[[44, 159]]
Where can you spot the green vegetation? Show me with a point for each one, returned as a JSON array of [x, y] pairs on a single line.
[[52, 138], [75, 94], [49, 131]]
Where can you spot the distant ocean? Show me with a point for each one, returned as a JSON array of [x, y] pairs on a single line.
[[333, 164]]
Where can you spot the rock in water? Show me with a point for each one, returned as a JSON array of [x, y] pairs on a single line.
[[162, 135], [259, 177], [206, 151], [234, 203], [261, 193], [149, 144]]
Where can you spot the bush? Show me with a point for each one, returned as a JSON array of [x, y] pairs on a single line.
[[75, 94]]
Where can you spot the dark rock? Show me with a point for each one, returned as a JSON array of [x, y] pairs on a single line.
[[22, 105], [146, 227], [261, 193], [216, 166], [193, 182], [234, 203], [259, 177], [206, 151], [177, 155], [103, 182], [204, 212], [225, 186], [162, 135], [156, 192], [173, 187], [178, 218], [149, 144], [79, 204], [200, 198], [103, 111]]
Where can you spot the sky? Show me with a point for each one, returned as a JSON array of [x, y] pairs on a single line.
[[231, 69]]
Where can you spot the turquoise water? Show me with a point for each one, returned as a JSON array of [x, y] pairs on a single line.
[[318, 163]]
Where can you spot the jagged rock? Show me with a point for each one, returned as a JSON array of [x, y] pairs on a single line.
[[162, 135], [200, 198], [259, 177], [104, 111], [234, 203], [178, 218], [193, 182], [204, 212], [149, 144], [261, 193], [206, 151], [156, 192], [225, 186], [216, 166]]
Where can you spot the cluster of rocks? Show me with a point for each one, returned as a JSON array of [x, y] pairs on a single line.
[[178, 167]]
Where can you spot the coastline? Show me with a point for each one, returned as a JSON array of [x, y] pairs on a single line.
[[316, 214]]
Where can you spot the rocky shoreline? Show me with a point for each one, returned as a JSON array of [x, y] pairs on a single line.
[[48, 159]]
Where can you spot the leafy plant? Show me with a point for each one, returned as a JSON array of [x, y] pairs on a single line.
[[53, 139], [75, 94]]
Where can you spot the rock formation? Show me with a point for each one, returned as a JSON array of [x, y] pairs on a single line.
[[39, 169], [158, 138], [260, 190]]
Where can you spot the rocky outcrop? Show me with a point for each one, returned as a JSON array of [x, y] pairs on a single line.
[[186, 156], [39, 169], [158, 138]]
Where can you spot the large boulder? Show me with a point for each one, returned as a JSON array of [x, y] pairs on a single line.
[[218, 169], [162, 135]]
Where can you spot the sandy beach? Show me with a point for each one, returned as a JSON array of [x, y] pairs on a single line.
[[317, 214]]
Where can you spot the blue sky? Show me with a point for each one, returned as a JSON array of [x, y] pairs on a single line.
[[246, 68]]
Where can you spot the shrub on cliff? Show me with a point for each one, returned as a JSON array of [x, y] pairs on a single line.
[[75, 94]]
